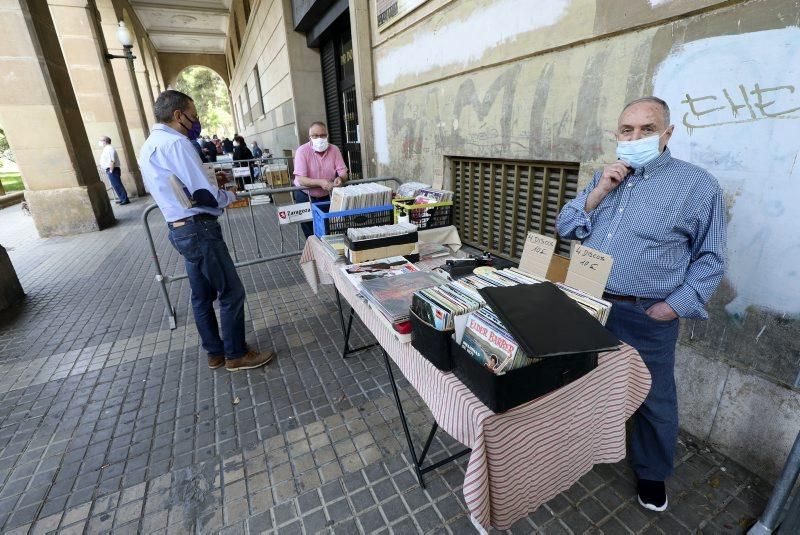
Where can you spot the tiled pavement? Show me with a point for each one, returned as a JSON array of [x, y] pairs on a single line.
[[110, 422]]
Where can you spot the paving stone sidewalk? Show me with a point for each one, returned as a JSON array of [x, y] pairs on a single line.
[[111, 422]]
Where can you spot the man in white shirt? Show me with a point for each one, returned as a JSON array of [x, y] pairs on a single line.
[[190, 198], [109, 161]]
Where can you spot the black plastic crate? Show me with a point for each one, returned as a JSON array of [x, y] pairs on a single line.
[[513, 388], [400, 239], [432, 343], [326, 223]]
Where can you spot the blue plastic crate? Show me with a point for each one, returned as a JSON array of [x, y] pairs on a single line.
[[326, 223]]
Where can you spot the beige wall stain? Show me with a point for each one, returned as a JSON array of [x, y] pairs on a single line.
[[559, 107]]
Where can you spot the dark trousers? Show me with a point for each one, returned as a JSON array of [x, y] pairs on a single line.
[[655, 424], [212, 275], [115, 177], [301, 196]]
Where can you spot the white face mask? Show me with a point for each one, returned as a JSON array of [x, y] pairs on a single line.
[[320, 144], [640, 152], [101, 144], [235, 143]]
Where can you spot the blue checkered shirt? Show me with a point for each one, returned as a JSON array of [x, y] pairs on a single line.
[[665, 228]]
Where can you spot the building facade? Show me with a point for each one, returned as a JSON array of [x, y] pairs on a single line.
[[510, 103], [513, 105]]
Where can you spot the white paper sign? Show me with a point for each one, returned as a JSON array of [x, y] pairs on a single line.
[[294, 213], [241, 171]]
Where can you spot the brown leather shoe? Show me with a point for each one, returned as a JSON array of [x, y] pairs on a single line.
[[250, 360], [215, 361]]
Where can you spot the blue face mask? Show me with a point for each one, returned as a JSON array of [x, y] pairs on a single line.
[[640, 152], [194, 131]]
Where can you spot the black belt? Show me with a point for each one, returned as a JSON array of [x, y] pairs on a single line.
[[193, 219], [614, 297]]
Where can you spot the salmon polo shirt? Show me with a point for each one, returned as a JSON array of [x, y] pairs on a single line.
[[326, 165]]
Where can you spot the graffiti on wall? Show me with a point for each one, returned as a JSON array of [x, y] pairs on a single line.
[[736, 107]]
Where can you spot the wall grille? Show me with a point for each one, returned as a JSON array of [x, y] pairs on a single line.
[[498, 201]]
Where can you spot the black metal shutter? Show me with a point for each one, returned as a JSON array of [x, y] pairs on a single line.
[[331, 88]]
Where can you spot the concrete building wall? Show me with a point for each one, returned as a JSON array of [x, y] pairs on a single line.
[[289, 82], [546, 81]]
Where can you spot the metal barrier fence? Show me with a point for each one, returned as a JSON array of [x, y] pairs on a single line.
[[276, 172], [163, 279]]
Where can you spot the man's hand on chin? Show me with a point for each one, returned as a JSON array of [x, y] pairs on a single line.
[[661, 311]]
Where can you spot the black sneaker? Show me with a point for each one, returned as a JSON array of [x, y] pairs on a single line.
[[652, 495]]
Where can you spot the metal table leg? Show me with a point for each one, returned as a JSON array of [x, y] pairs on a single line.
[[418, 461], [346, 350]]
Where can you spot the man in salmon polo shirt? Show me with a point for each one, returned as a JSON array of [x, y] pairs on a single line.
[[319, 166]]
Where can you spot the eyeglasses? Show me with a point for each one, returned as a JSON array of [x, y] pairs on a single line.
[[318, 136]]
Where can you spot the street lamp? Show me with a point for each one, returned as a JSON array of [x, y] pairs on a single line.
[[126, 40]]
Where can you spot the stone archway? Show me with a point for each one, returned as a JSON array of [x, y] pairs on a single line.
[[172, 64], [211, 96]]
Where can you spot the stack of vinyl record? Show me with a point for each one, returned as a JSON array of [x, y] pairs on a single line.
[[488, 341], [392, 296], [598, 308], [360, 196], [439, 306]]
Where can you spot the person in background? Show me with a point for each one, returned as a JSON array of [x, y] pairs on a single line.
[[257, 155], [240, 150], [209, 150], [217, 143], [256, 150], [663, 222], [242, 154], [196, 143], [318, 166], [109, 161], [227, 146], [191, 202]]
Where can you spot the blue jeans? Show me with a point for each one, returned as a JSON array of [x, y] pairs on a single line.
[[655, 423], [302, 196], [212, 275], [115, 177]]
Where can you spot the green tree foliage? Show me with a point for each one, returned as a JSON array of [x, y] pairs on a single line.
[[210, 97], [5, 149]]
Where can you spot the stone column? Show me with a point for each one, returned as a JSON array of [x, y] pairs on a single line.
[[84, 48], [40, 116], [361, 33], [143, 79]]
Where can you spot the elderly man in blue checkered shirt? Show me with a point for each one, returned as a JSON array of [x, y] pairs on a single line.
[[663, 222]]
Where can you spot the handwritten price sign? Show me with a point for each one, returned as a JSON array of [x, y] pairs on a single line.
[[537, 254], [589, 270]]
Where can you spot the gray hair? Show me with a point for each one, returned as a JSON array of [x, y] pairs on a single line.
[[318, 123], [169, 101], [654, 100]]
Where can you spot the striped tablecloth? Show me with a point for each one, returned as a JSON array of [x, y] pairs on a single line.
[[524, 457]]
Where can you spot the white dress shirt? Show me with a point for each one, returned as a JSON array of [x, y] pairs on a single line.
[[167, 152], [109, 158]]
